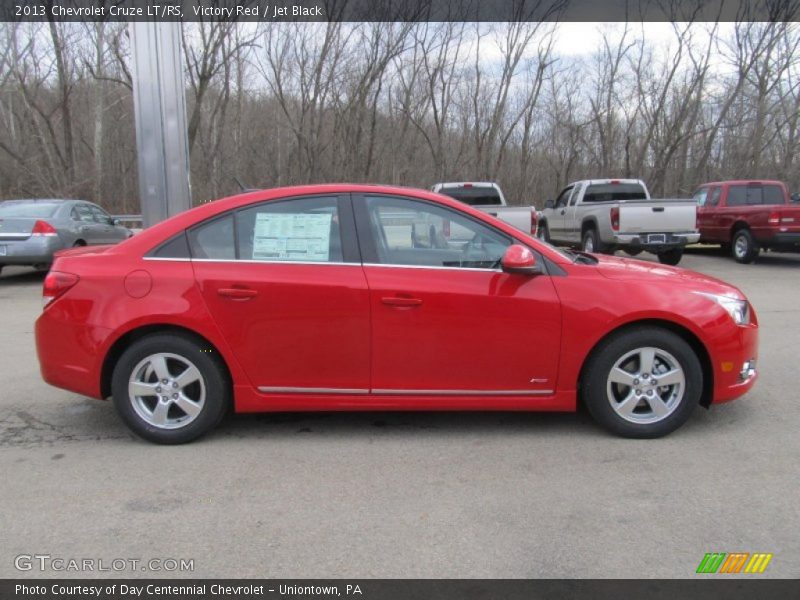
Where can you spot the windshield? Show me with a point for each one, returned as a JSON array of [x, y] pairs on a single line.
[[474, 195], [27, 208], [605, 192]]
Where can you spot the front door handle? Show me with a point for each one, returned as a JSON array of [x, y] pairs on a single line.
[[401, 301], [237, 293]]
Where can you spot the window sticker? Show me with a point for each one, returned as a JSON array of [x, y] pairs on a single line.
[[292, 236]]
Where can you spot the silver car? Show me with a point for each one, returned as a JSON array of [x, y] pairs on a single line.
[[32, 230]]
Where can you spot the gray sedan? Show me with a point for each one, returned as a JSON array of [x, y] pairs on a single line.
[[32, 230]]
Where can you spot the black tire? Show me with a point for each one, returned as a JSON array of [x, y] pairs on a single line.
[[670, 257], [598, 392], [590, 236], [633, 251], [213, 378], [543, 232], [743, 247]]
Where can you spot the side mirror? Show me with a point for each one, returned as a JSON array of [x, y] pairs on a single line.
[[549, 204], [116, 222], [520, 261]]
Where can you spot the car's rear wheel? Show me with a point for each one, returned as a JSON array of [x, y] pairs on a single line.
[[670, 257], [170, 389], [642, 383], [743, 247]]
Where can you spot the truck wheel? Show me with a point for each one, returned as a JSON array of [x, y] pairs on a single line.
[[642, 382], [543, 232], [633, 251], [670, 257], [591, 242], [743, 247]]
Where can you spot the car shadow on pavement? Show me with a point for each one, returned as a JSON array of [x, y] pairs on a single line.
[[20, 276], [410, 424]]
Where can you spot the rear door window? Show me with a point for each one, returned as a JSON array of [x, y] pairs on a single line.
[[297, 230]]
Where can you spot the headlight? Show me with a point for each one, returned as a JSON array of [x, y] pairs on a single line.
[[737, 308]]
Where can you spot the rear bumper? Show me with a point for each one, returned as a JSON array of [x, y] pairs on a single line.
[[32, 251], [67, 348], [656, 242], [790, 240]]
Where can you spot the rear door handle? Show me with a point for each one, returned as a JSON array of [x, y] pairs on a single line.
[[237, 293], [401, 301]]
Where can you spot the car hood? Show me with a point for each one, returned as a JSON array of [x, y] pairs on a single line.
[[630, 269]]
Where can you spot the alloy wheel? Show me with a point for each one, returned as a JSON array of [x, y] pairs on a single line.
[[167, 390], [645, 385]]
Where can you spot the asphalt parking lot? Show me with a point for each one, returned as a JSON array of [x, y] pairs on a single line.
[[407, 495]]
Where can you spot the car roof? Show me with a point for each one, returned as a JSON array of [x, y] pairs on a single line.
[[44, 200], [743, 182], [143, 242]]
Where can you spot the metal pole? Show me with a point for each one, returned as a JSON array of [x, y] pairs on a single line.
[[160, 112]]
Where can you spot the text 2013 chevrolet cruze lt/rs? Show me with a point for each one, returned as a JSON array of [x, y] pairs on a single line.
[[357, 297]]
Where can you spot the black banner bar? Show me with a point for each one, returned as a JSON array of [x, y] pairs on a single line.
[[399, 10], [745, 588]]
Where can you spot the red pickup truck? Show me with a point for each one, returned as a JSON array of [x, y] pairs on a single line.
[[747, 216]]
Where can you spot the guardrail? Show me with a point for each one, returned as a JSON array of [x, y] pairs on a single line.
[[125, 219]]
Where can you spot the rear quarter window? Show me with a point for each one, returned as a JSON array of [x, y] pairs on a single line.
[[213, 240]]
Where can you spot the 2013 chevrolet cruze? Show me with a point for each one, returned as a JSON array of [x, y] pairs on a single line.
[[359, 297]]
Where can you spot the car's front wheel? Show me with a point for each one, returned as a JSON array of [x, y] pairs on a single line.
[[643, 382], [170, 389]]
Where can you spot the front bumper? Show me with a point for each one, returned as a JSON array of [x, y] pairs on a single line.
[[656, 242], [32, 251], [735, 363]]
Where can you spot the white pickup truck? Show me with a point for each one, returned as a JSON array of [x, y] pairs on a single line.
[[488, 197], [603, 215]]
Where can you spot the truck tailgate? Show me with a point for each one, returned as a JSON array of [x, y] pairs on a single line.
[[658, 216]]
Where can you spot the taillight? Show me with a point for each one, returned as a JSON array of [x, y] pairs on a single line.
[[55, 284], [615, 218], [774, 218], [43, 228], [534, 222]]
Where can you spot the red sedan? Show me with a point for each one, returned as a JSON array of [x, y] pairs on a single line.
[[359, 297]]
